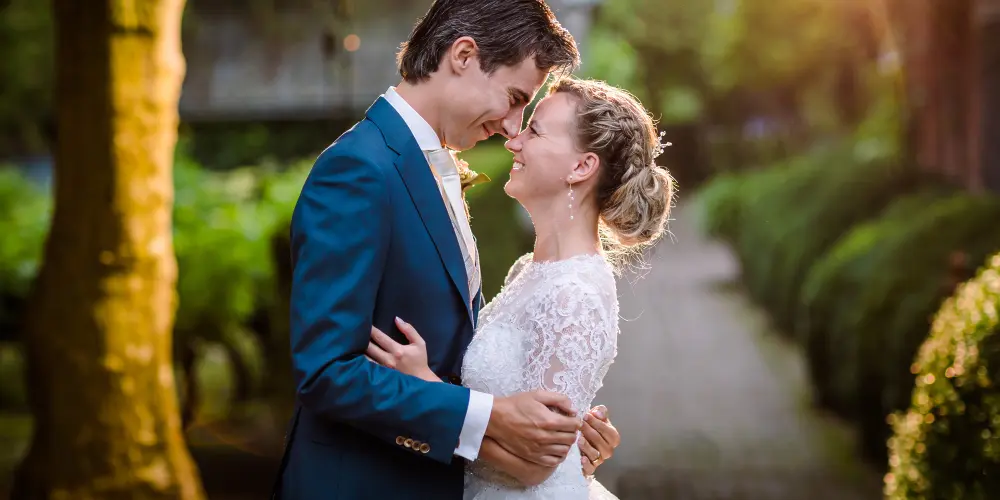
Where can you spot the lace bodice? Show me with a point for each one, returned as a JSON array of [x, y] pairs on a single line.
[[553, 326]]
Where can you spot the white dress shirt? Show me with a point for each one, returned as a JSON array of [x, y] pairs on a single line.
[[480, 404]]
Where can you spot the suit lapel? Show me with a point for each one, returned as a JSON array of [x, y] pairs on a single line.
[[416, 174]]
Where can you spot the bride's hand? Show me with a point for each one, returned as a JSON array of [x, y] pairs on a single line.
[[410, 359]]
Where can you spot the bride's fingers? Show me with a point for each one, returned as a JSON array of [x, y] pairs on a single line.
[[384, 341], [591, 431], [588, 466], [376, 354], [410, 332], [590, 453]]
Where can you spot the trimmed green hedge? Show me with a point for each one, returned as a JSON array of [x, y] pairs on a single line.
[[867, 305], [829, 294], [893, 311], [947, 445], [854, 257], [783, 219]]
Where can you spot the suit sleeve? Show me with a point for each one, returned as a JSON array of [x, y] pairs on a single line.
[[340, 237]]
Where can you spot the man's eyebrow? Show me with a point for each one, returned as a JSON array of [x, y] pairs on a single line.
[[519, 96]]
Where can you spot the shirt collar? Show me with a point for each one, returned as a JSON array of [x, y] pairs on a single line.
[[422, 131]]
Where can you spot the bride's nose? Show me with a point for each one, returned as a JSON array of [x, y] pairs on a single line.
[[513, 145]]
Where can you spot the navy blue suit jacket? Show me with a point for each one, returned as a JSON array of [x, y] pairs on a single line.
[[371, 240]]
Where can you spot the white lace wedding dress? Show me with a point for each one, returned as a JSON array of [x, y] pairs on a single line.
[[553, 326]]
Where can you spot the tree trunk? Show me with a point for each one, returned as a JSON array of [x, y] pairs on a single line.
[[99, 346], [990, 99]]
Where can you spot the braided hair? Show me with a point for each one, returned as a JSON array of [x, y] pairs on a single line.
[[634, 194]]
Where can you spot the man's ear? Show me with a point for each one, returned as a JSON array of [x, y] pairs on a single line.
[[464, 53], [586, 167]]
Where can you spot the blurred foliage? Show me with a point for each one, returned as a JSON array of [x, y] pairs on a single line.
[[828, 294], [224, 145], [853, 252], [864, 311], [26, 59], [498, 221], [947, 445], [891, 314], [26, 212], [780, 220], [230, 238], [761, 79]]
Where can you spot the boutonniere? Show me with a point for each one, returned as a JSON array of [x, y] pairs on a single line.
[[468, 176]]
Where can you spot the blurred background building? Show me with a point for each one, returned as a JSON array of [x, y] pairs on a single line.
[[305, 60]]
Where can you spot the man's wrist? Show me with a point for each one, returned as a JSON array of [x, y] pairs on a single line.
[[496, 417], [430, 376]]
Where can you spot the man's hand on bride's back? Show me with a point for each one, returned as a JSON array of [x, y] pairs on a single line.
[[410, 359], [535, 426]]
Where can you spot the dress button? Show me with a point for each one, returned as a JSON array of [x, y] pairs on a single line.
[[425, 448], [400, 440], [408, 443]]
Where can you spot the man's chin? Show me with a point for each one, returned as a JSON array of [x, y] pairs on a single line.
[[460, 146]]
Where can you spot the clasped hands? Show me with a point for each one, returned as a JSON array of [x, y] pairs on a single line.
[[528, 434]]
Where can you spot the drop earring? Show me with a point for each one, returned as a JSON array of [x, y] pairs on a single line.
[[571, 198]]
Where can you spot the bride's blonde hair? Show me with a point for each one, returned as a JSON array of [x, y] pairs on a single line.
[[634, 194]]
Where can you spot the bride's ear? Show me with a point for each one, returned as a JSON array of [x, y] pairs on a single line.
[[586, 167]]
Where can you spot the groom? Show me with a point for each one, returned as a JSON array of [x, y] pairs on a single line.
[[380, 231]]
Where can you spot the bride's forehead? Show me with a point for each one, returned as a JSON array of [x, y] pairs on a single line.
[[554, 111]]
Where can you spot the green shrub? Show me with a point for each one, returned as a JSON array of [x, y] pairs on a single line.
[[720, 204], [24, 225], [852, 194], [222, 249], [787, 217], [891, 312], [741, 208], [947, 445], [497, 219], [769, 210], [828, 294]]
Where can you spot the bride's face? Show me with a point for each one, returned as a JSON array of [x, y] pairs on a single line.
[[545, 152]]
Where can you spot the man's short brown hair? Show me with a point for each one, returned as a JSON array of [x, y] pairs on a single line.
[[506, 31]]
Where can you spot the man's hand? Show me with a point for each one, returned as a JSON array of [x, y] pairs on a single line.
[[598, 439], [527, 473], [534, 426]]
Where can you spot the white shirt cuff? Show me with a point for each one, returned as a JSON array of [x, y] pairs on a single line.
[[477, 417]]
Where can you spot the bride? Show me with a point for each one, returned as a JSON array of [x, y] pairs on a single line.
[[584, 169]]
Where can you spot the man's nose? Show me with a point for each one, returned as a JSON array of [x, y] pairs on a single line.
[[511, 125], [512, 145]]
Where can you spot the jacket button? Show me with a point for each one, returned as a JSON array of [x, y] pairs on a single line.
[[425, 448], [408, 443], [400, 440]]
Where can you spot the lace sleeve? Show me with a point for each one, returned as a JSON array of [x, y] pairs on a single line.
[[573, 343]]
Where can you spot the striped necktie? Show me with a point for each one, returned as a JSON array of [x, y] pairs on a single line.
[[450, 186]]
